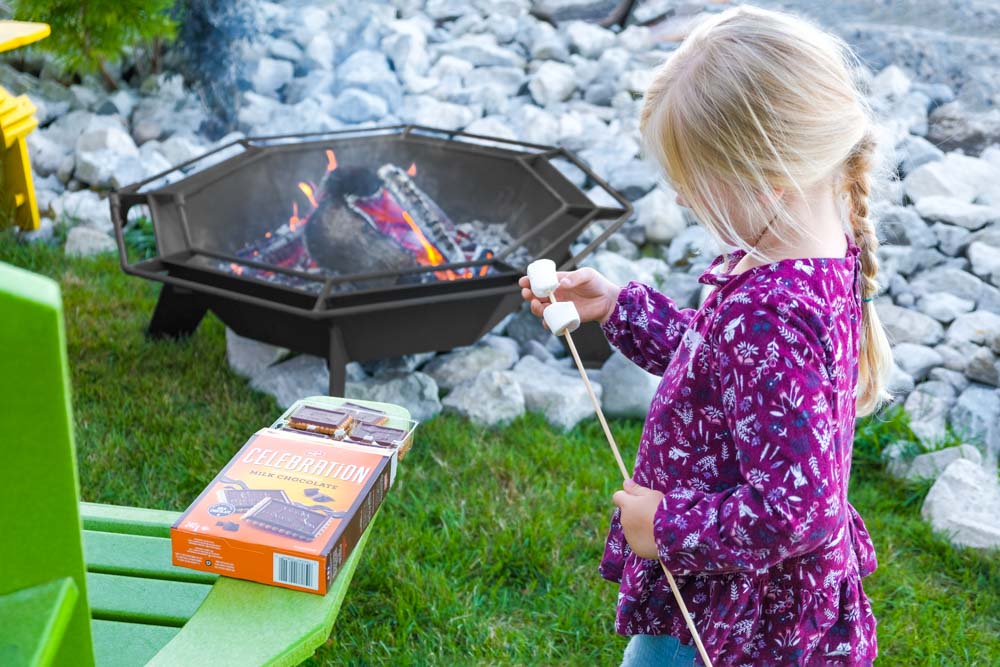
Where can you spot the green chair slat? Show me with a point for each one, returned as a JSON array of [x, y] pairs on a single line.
[[41, 540], [136, 556], [118, 644], [138, 600], [253, 624], [129, 520], [34, 621]]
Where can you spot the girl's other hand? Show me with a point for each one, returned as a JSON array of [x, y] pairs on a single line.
[[639, 505], [593, 295]]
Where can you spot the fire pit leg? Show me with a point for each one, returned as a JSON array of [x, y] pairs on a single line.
[[336, 362], [178, 313]]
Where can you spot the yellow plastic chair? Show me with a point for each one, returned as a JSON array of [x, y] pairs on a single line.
[[17, 120]]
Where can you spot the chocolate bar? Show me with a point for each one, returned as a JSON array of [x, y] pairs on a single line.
[[287, 519], [379, 435], [244, 499], [319, 420], [364, 414]]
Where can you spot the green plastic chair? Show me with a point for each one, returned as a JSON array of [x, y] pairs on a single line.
[[104, 591]]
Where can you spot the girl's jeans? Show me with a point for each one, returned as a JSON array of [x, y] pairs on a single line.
[[657, 651]]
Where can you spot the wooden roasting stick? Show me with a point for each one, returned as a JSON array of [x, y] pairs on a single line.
[[568, 325]]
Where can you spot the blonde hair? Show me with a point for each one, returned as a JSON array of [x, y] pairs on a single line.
[[755, 101]]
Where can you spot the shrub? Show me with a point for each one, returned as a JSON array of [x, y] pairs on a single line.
[[88, 35]]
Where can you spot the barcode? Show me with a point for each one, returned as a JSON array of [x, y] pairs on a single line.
[[296, 572]]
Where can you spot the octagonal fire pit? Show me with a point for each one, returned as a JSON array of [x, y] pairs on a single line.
[[358, 244]]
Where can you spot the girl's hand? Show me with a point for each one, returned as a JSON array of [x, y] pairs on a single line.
[[639, 505], [593, 295]]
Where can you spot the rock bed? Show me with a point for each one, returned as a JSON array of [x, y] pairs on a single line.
[[493, 68]]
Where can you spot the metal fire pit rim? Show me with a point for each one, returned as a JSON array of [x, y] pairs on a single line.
[[130, 196]]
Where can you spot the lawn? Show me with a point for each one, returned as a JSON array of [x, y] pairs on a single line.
[[487, 549]]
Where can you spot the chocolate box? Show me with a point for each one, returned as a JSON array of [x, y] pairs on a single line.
[[287, 510]]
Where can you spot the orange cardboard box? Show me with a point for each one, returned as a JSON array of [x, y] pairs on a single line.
[[287, 510]]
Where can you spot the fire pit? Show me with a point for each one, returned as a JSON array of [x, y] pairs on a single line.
[[358, 244]]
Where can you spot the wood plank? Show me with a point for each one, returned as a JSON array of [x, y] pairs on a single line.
[[130, 520], [136, 556], [118, 644], [262, 625], [138, 600]]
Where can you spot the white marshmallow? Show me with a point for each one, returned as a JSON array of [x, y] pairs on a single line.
[[542, 276], [561, 317]]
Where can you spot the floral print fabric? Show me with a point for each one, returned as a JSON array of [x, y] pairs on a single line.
[[749, 437]]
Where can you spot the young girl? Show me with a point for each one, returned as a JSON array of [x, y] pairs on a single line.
[[740, 483]]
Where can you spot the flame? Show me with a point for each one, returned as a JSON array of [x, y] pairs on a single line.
[[486, 267], [236, 268], [307, 190], [412, 171], [295, 220], [434, 257], [331, 161]]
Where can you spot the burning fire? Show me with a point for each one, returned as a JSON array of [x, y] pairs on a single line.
[[385, 213]]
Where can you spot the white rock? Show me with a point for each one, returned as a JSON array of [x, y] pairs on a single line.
[[916, 360], [628, 389], [957, 212], [951, 239], [491, 126], [548, 43], [301, 376], [492, 398], [982, 365], [481, 50], [417, 392], [660, 215], [944, 307], [562, 398], [357, 106], [958, 176], [964, 503], [979, 327], [891, 84], [87, 241], [589, 40], [247, 356], [425, 110], [106, 137], [960, 283], [178, 149], [908, 326], [321, 51], [369, 70], [450, 370], [692, 247], [976, 417], [46, 155], [553, 82], [985, 261], [83, 207], [620, 270], [271, 74], [928, 415], [900, 383], [932, 464], [406, 45]]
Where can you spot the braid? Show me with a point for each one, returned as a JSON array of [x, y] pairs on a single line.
[[875, 361], [858, 184]]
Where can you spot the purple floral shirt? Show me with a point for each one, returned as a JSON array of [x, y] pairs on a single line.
[[749, 437]]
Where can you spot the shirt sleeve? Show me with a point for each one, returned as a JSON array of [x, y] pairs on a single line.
[[646, 326], [777, 396]]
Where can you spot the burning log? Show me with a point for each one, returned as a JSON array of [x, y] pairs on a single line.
[[340, 239]]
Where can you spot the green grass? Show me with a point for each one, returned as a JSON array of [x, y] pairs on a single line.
[[488, 547]]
